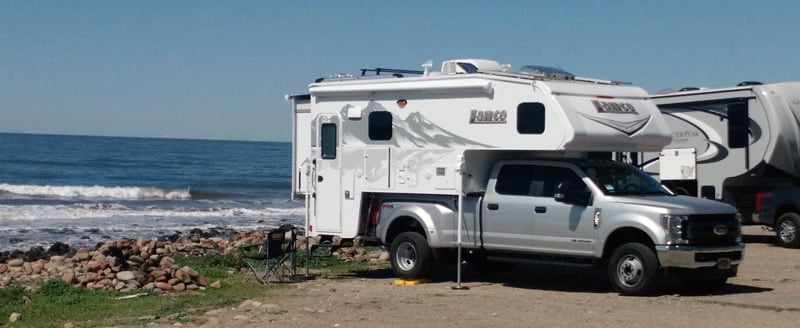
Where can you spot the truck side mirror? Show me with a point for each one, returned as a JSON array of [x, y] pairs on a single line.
[[567, 193]]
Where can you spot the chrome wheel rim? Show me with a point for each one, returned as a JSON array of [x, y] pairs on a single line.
[[406, 256], [630, 270], [787, 231]]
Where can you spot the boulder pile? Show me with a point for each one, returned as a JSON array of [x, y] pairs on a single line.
[[127, 264]]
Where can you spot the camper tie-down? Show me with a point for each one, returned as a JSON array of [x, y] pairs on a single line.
[[480, 164]]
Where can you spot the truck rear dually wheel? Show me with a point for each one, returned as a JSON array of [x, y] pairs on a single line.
[[786, 229], [633, 269], [410, 256]]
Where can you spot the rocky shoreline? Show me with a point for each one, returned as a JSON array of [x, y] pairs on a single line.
[[128, 264]]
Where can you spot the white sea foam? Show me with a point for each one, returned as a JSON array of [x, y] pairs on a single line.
[[115, 212], [98, 192]]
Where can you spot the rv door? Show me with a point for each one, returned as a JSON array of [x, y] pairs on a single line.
[[326, 214]]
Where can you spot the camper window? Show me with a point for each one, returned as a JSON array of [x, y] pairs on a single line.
[[328, 141], [737, 125], [530, 118], [380, 126]]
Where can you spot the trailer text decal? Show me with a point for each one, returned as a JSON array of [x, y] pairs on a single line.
[[613, 107], [487, 117]]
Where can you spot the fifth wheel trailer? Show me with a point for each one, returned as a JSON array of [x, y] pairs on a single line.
[[740, 145]]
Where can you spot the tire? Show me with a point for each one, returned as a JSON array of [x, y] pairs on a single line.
[[410, 256], [633, 269], [787, 229]]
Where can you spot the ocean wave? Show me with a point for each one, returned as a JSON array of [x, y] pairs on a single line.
[[100, 192], [121, 212]]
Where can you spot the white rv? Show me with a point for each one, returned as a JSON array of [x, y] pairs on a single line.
[[503, 164], [740, 145]]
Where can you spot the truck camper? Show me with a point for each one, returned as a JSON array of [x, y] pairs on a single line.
[[740, 145], [506, 166]]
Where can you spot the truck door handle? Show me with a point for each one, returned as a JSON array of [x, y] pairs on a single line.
[[319, 178], [493, 206], [540, 209]]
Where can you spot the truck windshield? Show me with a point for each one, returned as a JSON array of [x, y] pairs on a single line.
[[615, 178]]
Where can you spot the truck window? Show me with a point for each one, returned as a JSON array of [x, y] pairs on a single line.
[[615, 178], [534, 180], [328, 140], [380, 126], [530, 118]]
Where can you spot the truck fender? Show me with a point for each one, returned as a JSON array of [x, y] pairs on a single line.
[[422, 213], [633, 228]]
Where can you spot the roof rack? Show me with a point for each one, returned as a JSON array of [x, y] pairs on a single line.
[[395, 72]]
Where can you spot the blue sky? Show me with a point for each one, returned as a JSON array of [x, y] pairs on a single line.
[[220, 69]]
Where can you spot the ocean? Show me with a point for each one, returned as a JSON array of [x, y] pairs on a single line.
[[82, 190]]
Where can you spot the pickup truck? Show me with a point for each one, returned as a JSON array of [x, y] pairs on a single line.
[[779, 208], [594, 212]]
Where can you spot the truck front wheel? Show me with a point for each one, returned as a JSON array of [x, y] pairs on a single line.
[[410, 256], [786, 228], [633, 269]]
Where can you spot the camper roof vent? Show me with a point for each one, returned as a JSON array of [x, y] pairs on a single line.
[[546, 72], [469, 66], [746, 83]]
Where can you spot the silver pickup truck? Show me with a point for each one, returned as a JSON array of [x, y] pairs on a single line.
[[568, 210]]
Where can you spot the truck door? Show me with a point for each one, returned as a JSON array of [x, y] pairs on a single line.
[[507, 210], [558, 226], [326, 215]]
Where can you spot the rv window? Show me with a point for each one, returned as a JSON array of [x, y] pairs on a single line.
[[737, 125], [328, 141], [530, 118], [380, 126]]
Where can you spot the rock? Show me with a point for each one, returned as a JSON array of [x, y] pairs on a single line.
[[163, 286], [202, 281], [14, 317], [126, 275], [3, 267], [58, 248], [166, 262], [28, 268], [183, 275], [192, 273], [384, 256], [37, 267], [216, 284], [179, 287], [68, 276], [69, 325], [149, 286], [16, 263]]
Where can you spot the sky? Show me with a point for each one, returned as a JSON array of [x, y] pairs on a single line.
[[220, 69]]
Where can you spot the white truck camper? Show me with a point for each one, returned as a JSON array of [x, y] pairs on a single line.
[[740, 145], [509, 166]]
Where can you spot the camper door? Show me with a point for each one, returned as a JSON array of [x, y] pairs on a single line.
[[325, 217]]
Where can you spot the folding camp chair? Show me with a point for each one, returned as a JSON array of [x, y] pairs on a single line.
[[273, 259]]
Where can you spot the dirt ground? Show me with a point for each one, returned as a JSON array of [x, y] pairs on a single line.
[[766, 293]]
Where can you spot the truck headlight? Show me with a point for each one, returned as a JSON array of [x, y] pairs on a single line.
[[739, 227], [675, 226]]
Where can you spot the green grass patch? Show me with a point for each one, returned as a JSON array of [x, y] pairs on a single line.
[[53, 303]]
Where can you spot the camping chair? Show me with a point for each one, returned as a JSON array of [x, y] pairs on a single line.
[[268, 260]]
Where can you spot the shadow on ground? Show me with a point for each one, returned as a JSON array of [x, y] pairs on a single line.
[[562, 278]]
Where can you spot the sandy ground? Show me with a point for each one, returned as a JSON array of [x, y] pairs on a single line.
[[765, 294]]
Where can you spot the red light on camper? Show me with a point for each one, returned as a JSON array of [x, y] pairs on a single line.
[[604, 97], [310, 228]]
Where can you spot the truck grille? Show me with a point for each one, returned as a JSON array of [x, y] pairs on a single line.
[[712, 230]]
